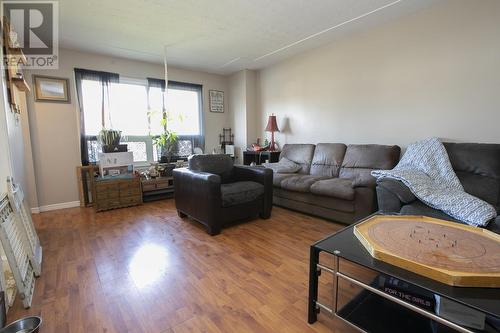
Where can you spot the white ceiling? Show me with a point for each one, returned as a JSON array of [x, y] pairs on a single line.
[[218, 36]]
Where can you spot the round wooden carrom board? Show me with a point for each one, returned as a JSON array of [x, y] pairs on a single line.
[[452, 253]]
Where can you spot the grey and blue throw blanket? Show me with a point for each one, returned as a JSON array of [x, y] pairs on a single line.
[[426, 169]]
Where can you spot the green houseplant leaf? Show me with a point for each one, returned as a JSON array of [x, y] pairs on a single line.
[[166, 140], [109, 137]]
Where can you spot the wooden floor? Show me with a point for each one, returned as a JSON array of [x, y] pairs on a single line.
[[143, 269]]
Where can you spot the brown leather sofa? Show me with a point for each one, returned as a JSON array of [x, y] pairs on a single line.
[[334, 180], [215, 192]]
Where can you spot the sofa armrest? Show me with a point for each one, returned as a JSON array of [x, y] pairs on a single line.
[[198, 194], [263, 176], [494, 225], [392, 195], [365, 202], [399, 189]]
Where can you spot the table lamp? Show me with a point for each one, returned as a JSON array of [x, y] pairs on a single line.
[[272, 127]]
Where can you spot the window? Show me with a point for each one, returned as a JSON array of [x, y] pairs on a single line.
[[183, 105], [135, 107]]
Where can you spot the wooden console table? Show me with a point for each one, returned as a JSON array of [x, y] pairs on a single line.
[[116, 192]]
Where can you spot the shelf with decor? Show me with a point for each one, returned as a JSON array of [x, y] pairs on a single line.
[[16, 53], [15, 60], [20, 83]]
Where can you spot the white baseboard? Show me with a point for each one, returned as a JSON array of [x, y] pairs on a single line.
[[62, 205]]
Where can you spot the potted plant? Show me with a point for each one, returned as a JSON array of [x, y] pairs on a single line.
[[110, 140], [166, 143]]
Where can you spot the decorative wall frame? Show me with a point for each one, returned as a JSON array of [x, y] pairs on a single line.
[[216, 99], [51, 89]]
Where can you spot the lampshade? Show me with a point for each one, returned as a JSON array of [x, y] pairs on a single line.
[[272, 125]]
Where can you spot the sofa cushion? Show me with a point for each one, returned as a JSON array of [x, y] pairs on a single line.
[[477, 165], [301, 154], [360, 160], [299, 183], [336, 187], [327, 159], [485, 188], [240, 192], [278, 177], [346, 206], [477, 158], [283, 166]]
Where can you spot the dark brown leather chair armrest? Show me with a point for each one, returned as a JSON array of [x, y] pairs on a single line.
[[198, 195], [260, 175], [256, 174]]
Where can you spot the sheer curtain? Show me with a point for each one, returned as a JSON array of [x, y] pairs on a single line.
[[183, 102], [99, 86]]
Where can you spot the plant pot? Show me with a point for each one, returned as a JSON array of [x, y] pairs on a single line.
[[165, 159], [167, 170], [114, 148]]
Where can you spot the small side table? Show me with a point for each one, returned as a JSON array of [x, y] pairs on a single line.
[[260, 157]]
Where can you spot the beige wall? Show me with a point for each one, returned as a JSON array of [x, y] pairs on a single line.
[[434, 73], [55, 129], [251, 99], [243, 109], [237, 111]]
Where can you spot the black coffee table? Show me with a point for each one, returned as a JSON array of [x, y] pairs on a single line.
[[373, 296]]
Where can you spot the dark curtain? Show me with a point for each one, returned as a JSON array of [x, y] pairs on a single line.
[[105, 80], [185, 143], [157, 83]]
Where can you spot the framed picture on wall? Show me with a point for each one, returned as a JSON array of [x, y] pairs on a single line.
[[216, 99], [51, 89]]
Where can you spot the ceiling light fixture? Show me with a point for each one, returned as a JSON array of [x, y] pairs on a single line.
[[326, 30]]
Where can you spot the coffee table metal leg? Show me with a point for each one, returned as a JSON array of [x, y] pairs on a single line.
[[335, 282], [313, 285]]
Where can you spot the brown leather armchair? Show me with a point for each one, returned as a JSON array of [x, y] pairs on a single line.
[[215, 192]]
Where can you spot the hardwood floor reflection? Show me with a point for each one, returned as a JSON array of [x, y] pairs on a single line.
[[143, 269]]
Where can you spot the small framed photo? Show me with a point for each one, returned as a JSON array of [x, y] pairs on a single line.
[[216, 101], [51, 89]]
